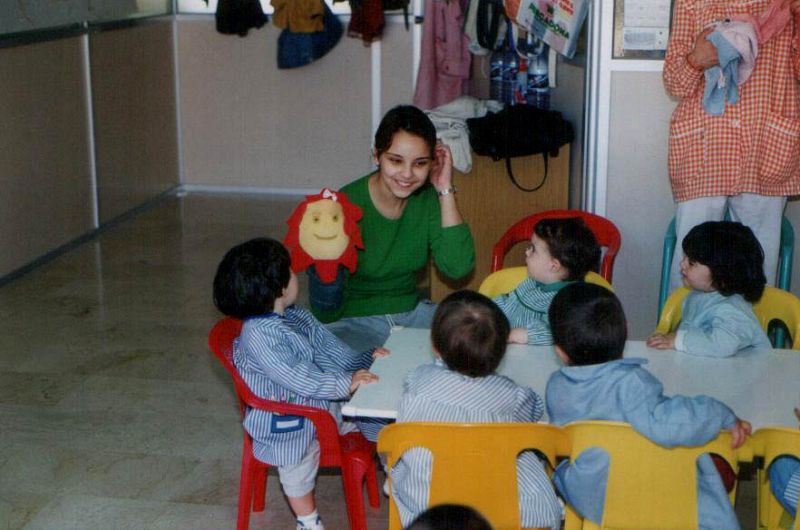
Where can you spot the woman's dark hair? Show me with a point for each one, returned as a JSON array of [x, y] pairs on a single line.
[[588, 324], [406, 118], [450, 517], [470, 333], [572, 243], [250, 277], [733, 255]]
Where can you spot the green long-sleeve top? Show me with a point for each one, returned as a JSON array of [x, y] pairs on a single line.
[[395, 250]]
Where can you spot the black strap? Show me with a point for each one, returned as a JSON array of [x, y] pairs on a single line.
[[487, 22], [514, 181]]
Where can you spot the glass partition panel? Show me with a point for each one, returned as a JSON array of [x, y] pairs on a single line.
[[200, 6]]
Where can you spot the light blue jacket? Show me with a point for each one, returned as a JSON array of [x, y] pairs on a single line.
[[622, 390], [718, 326]]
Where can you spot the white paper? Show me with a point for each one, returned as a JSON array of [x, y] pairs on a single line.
[[647, 13], [644, 38]]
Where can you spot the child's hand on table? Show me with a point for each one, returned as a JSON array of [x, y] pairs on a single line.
[[740, 432], [362, 377], [518, 336], [380, 352], [661, 341]]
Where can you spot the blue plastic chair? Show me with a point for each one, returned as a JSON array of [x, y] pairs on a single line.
[[785, 256]]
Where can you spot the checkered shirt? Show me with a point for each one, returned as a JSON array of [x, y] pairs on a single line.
[[754, 146]]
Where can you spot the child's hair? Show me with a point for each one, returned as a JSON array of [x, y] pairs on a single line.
[[588, 324], [450, 517], [406, 118], [570, 242], [250, 277], [470, 333], [733, 255]]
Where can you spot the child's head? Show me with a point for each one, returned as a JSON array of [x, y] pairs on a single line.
[[561, 249], [251, 277], [450, 517], [588, 324], [404, 118], [724, 256], [469, 332]]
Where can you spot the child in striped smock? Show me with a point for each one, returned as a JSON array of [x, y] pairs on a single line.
[[561, 251], [469, 335], [784, 479], [285, 354]]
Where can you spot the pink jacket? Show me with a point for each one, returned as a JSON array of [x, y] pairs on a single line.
[[445, 60]]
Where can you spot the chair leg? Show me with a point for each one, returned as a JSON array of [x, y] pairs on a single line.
[[353, 483], [245, 488], [259, 486], [373, 493]]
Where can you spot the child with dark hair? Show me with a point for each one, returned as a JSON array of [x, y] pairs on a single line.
[[723, 265], [561, 251], [469, 335], [597, 383], [450, 517], [285, 354]]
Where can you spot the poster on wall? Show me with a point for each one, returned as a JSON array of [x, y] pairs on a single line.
[[556, 22]]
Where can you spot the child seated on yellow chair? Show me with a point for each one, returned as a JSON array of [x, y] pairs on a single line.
[[597, 383], [784, 479], [723, 265], [469, 335], [285, 354], [561, 251]]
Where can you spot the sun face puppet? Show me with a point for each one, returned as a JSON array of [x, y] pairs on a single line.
[[323, 238]]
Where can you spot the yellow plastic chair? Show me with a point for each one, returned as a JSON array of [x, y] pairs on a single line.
[[648, 486], [775, 304], [770, 443], [505, 280], [473, 464]]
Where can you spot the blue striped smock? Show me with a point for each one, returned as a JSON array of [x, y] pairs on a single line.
[[527, 306], [434, 393], [294, 359]]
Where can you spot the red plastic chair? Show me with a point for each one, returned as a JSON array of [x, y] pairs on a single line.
[[604, 230], [352, 453]]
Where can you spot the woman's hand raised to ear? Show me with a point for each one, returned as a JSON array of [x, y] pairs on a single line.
[[442, 169]]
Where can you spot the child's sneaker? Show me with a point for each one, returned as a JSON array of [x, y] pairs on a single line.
[[314, 524]]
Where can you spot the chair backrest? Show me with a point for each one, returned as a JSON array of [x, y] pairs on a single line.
[[473, 464], [220, 341], [605, 231], [648, 486], [769, 443], [775, 304], [506, 280]]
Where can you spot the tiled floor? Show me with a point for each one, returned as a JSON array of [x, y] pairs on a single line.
[[113, 414]]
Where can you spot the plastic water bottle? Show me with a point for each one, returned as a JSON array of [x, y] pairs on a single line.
[[538, 93], [496, 75], [510, 68]]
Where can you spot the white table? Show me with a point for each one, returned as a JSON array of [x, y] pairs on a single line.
[[761, 386]]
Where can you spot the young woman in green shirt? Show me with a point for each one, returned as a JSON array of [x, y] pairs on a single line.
[[410, 211]]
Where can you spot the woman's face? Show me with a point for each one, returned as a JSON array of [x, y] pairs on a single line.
[[405, 165]]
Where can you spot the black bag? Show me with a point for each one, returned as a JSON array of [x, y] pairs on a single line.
[[519, 130]]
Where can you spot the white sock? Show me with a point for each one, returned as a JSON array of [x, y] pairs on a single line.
[[311, 521]]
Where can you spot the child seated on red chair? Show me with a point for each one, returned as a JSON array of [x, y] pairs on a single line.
[[469, 335], [561, 251], [597, 383], [285, 354], [784, 479]]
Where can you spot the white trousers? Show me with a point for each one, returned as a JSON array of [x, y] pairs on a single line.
[[763, 214]]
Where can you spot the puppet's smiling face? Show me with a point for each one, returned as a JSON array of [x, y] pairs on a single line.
[[322, 230]]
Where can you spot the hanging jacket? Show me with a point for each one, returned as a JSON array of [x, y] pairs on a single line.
[[298, 16], [238, 16]]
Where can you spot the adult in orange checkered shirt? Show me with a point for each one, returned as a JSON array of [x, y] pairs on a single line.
[[747, 160]]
